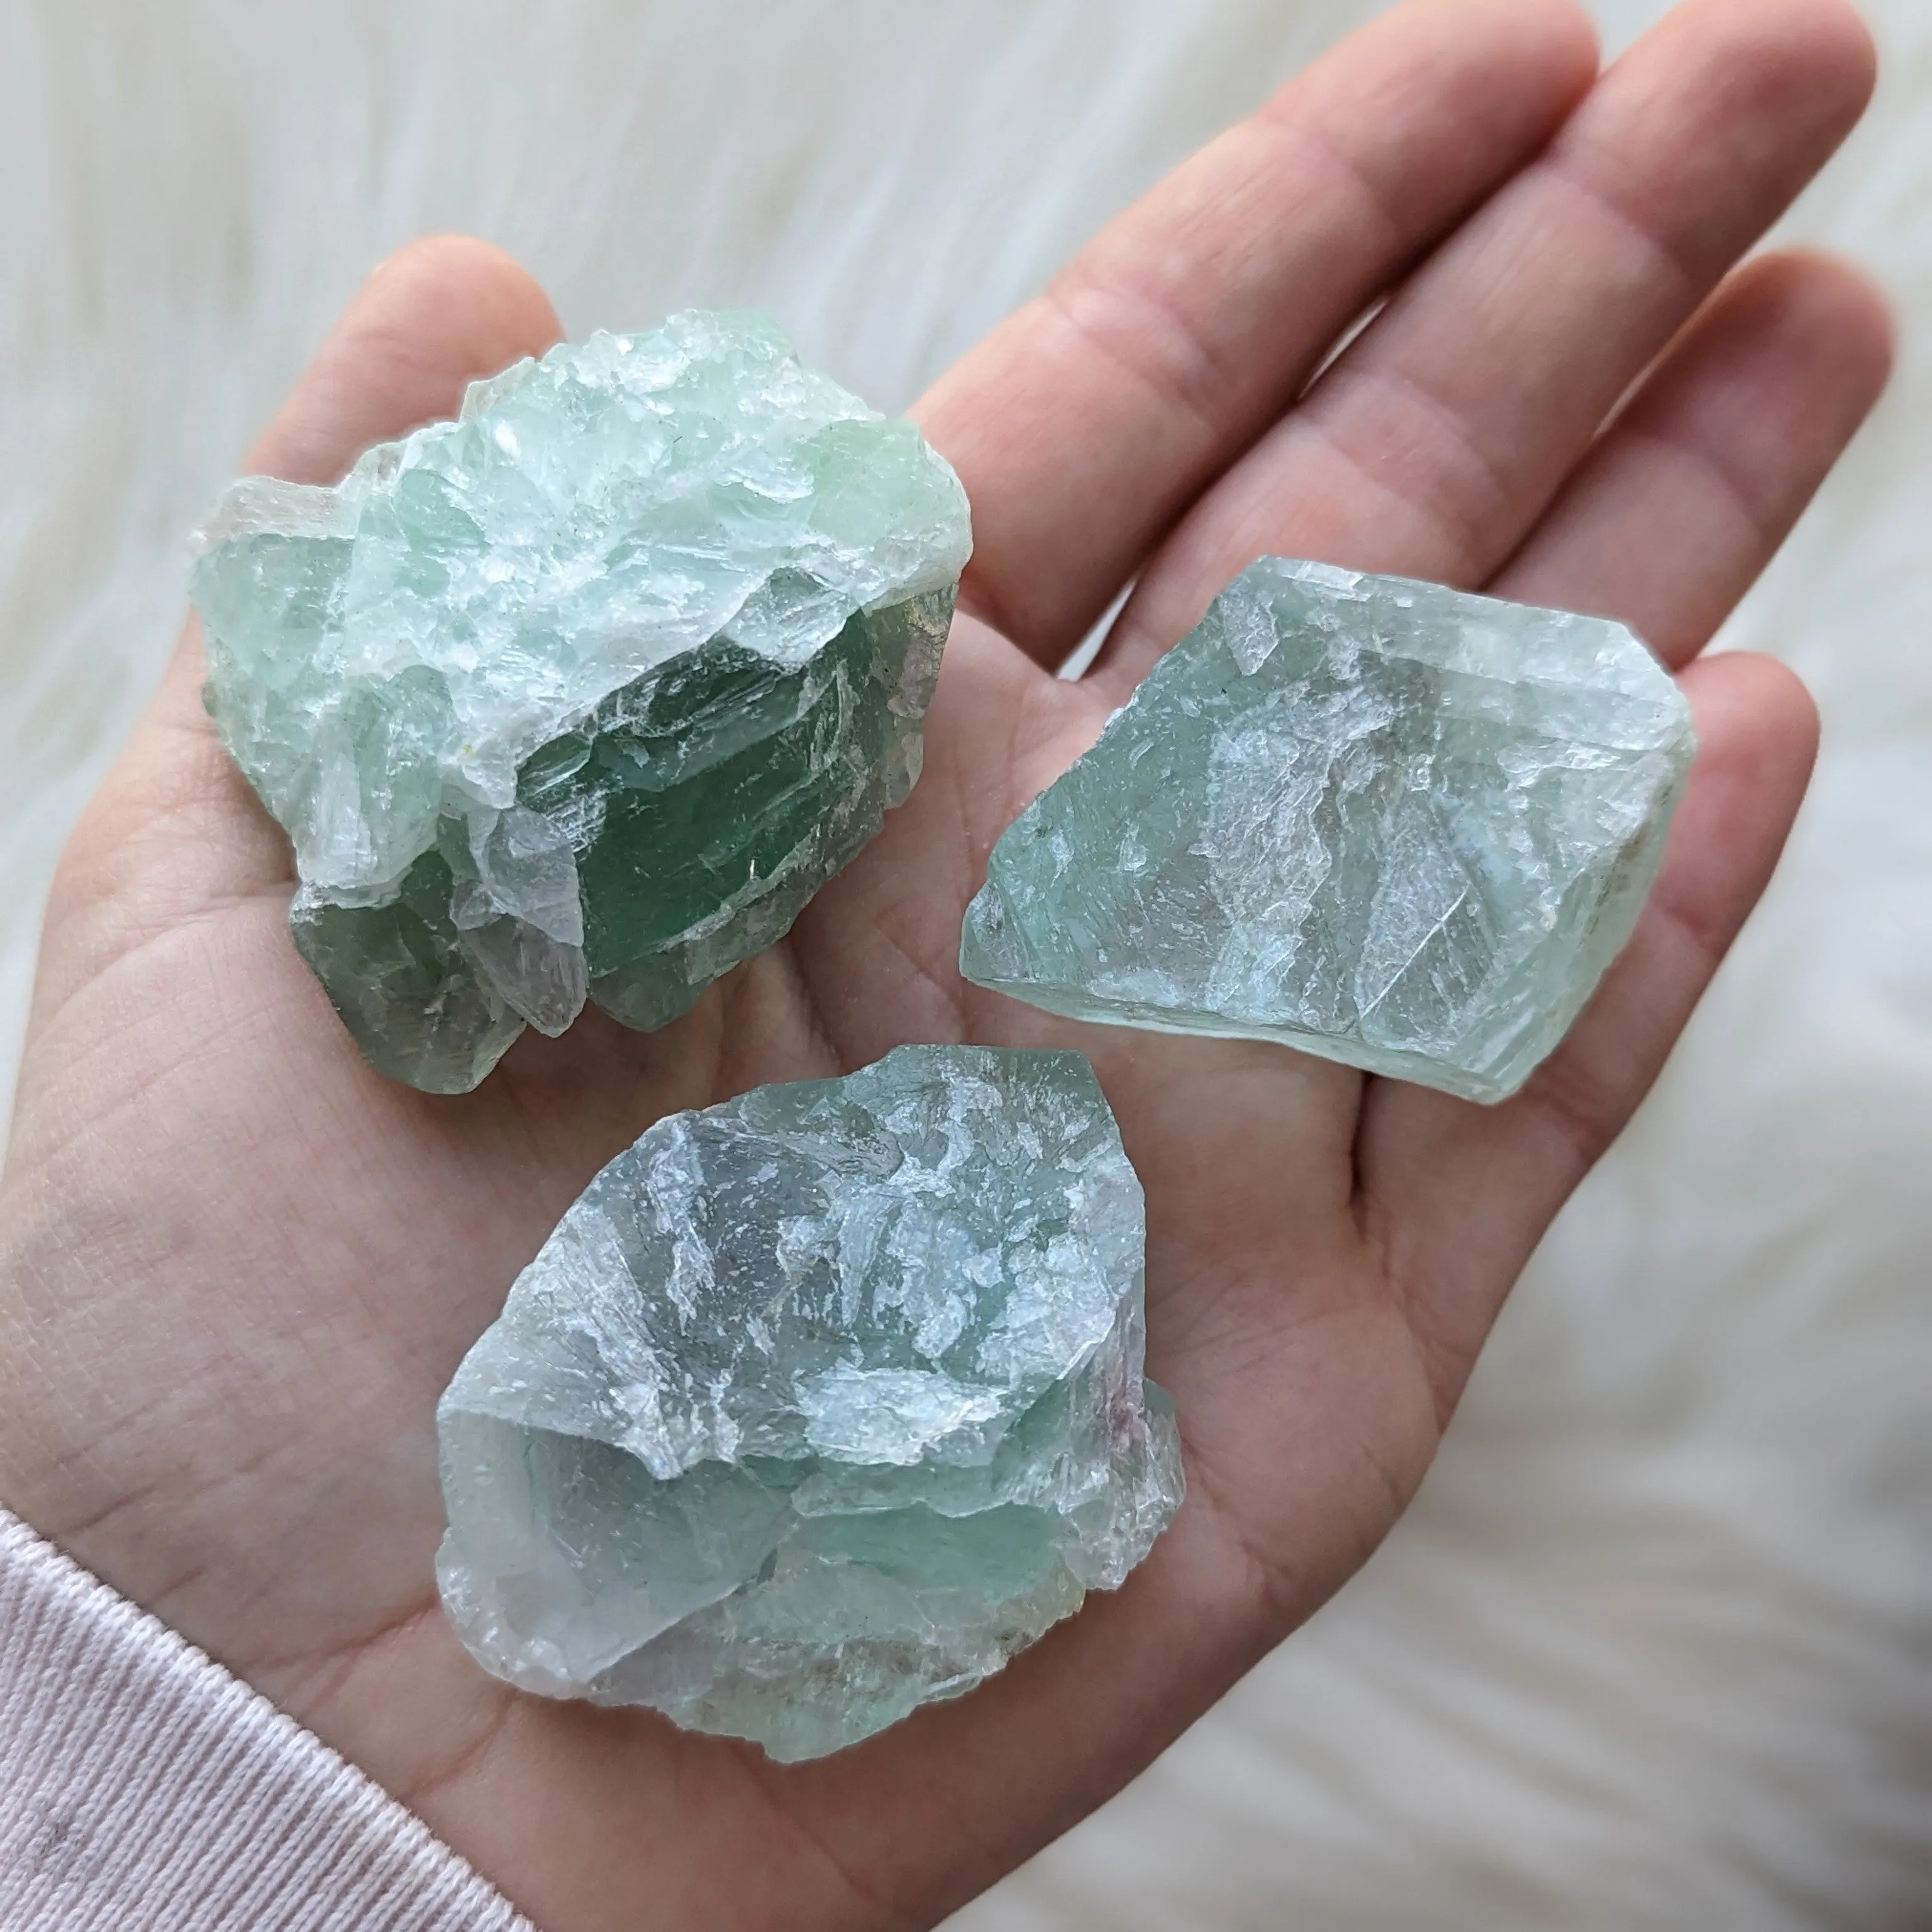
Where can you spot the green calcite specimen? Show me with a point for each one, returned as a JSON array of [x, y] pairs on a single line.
[[817, 1405], [1382, 821], [586, 692]]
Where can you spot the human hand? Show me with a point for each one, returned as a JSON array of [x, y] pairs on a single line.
[[237, 1268]]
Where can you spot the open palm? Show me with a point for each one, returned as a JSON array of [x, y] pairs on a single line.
[[237, 1268]]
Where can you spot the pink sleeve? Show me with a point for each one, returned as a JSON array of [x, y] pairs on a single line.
[[143, 1788]]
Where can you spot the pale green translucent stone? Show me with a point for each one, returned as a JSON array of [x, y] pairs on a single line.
[[818, 1405], [586, 692], [1394, 824]]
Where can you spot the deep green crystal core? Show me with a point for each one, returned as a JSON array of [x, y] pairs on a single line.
[[818, 1405], [1394, 824], [586, 692]]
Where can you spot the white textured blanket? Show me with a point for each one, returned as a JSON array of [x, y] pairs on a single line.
[[1654, 1647]]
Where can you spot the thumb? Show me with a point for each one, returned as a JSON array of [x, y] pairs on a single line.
[[174, 831], [430, 321]]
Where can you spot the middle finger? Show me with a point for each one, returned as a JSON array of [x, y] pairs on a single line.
[[1436, 439]]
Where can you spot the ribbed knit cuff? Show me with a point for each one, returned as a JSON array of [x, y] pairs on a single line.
[[144, 1789]]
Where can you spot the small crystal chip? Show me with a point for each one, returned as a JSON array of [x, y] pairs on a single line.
[[818, 1405], [584, 694], [1391, 823]]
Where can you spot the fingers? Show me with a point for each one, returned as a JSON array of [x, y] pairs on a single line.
[[175, 827], [1462, 1194], [1675, 513], [1684, 500], [1087, 423], [1435, 442]]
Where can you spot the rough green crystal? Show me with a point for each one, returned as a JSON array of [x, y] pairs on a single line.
[[586, 692], [1385, 822], [818, 1405]]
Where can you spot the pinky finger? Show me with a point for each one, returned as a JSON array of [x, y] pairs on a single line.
[[1694, 485], [1463, 1192], [1676, 509]]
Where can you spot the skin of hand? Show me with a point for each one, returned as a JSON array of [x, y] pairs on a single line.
[[237, 1268]]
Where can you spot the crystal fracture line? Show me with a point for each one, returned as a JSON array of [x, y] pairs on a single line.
[[818, 1405], [583, 694], [1393, 824]]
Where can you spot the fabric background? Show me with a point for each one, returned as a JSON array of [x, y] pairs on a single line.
[[1654, 1647]]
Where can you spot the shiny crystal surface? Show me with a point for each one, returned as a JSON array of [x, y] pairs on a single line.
[[818, 1405], [584, 694], [1383, 821]]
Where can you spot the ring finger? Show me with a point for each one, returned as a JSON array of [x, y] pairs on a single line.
[[1438, 438]]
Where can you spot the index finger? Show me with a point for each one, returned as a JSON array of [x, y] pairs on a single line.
[[1084, 426]]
